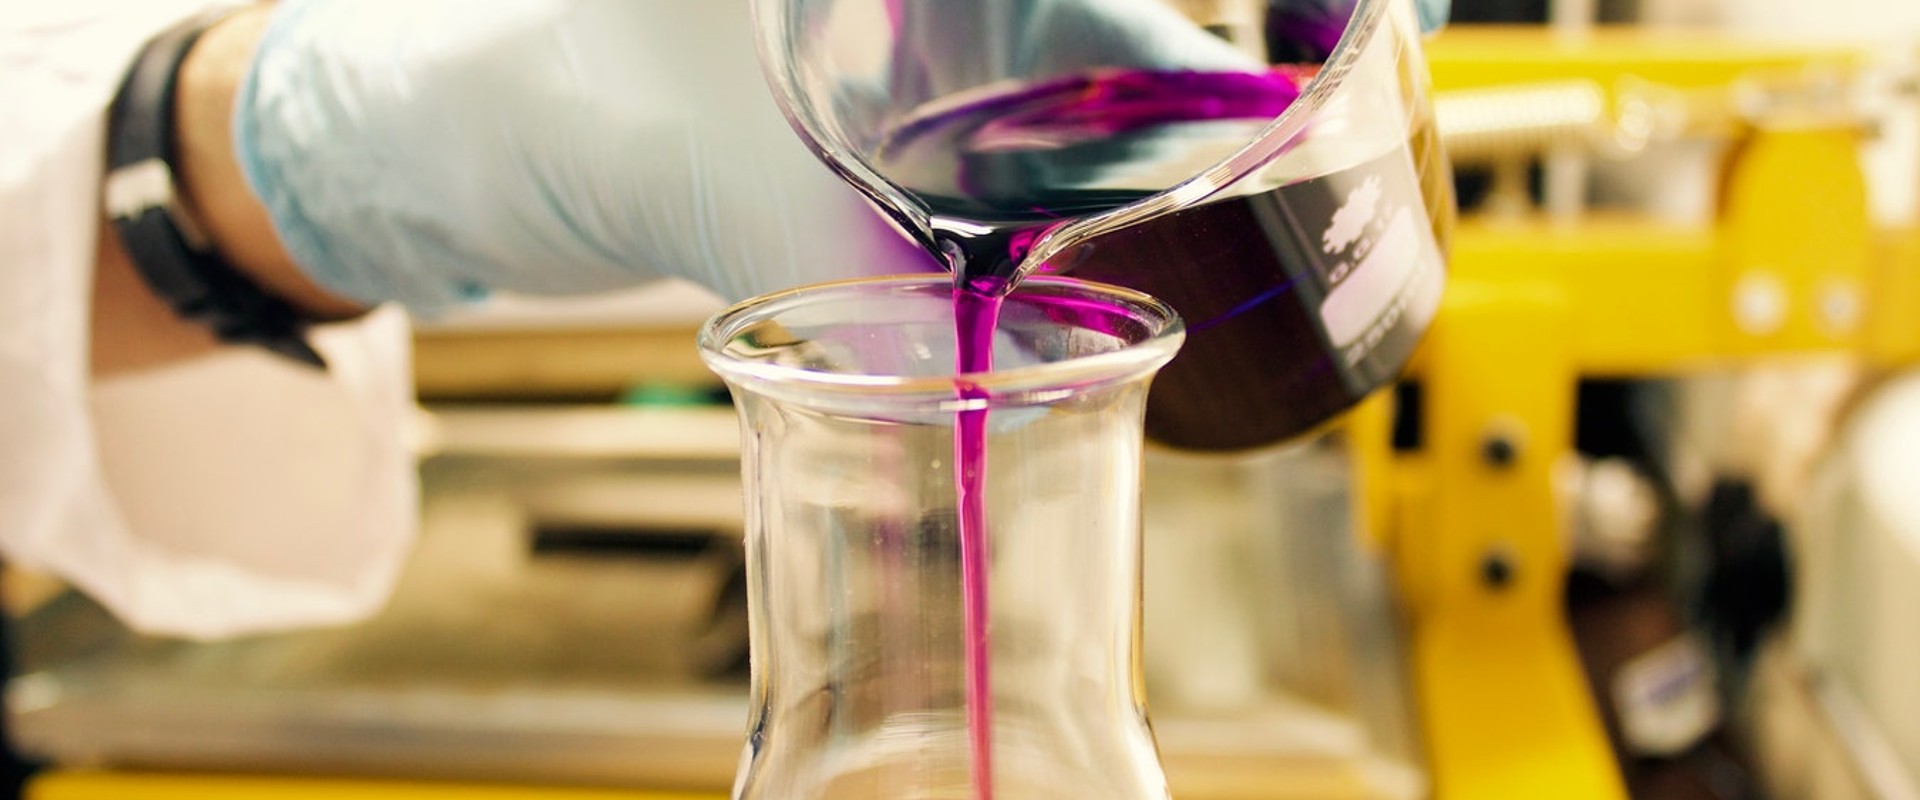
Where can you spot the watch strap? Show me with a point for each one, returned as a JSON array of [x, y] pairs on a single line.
[[167, 247]]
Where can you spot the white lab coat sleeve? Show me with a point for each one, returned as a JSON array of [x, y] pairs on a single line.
[[233, 494]]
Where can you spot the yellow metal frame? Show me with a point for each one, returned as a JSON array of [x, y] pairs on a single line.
[[1791, 266], [1487, 56]]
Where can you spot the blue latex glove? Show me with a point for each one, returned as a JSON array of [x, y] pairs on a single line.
[[430, 151]]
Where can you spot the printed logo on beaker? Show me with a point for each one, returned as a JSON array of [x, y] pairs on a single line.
[[1352, 220], [1380, 253]]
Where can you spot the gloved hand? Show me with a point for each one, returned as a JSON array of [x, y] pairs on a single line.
[[431, 151]]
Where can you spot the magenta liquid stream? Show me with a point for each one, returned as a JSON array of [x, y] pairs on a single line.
[[976, 315], [1259, 277], [984, 250]]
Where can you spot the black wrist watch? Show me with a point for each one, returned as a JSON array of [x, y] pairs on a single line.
[[166, 246]]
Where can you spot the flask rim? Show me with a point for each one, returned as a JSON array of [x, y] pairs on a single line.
[[1157, 333]]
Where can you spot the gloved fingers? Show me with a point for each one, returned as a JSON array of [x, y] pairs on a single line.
[[1434, 13], [946, 46], [427, 152], [1140, 34]]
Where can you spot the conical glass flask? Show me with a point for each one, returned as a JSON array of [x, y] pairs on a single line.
[[861, 684]]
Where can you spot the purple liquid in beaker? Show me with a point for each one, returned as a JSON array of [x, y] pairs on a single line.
[[1301, 298]]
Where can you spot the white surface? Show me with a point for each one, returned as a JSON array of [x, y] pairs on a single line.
[[1859, 555], [1808, 740], [1892, 27]]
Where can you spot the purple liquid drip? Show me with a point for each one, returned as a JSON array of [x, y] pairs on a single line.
[[976, 314]]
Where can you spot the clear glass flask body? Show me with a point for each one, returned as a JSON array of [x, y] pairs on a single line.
[[849, 399]]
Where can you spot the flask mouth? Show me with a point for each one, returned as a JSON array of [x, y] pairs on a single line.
[[890, 342]]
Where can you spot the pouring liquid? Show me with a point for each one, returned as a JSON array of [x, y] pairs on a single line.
[[996, 173], [976, 315]]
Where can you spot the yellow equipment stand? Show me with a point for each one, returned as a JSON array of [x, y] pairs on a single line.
[[1481, 562], [1470, 522], [1792, 266]]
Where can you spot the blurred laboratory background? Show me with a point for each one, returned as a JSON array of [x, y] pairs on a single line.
[[1642, 520]]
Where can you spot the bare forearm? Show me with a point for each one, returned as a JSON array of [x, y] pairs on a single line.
[[134, 329]]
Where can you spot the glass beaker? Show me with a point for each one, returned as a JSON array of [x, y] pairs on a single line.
[[1294, 215], [849, 399]]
